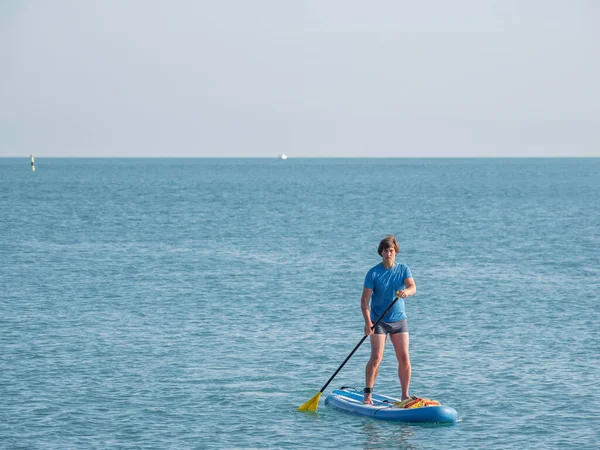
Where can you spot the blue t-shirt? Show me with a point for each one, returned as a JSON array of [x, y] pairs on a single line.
[[385, 283]]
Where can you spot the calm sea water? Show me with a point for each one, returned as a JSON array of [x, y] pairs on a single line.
[[172, 303]]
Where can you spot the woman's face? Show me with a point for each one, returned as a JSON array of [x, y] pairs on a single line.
[[389, 255]]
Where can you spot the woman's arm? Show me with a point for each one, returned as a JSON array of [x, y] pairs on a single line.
[[365, 299], [410, 288]]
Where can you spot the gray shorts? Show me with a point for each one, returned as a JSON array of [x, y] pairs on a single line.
[[391, 327]]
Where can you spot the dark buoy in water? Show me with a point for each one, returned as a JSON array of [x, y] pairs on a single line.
[[32, 163]]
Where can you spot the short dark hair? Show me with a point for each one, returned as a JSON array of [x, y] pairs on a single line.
[[388, 242]]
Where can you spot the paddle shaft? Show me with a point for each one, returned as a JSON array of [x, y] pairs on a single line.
[[358, 345]]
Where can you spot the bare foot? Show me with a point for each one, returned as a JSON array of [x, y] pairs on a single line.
[[368, 399]]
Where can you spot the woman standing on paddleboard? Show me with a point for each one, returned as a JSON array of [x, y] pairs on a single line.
[[380, 287]]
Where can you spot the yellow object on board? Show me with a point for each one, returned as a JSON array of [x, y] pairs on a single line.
[[416, 402]]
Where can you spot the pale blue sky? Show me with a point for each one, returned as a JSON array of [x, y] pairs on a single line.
[[340, 78]]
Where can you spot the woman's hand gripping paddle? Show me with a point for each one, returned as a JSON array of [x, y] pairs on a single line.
[[313, 403]]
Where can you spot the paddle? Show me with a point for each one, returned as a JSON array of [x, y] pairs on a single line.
[[313, 403]]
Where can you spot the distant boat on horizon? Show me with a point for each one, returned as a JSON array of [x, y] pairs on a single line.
[[32, 162], [282, 156]]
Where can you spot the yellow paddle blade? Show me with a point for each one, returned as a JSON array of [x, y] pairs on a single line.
[[312, 404]]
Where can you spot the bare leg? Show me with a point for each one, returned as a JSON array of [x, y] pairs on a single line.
[[372, 369], [400, 342]]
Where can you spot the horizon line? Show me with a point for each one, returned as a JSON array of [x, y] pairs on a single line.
[[304, 157]]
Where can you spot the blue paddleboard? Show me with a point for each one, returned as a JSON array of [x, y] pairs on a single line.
[[350, 400]]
